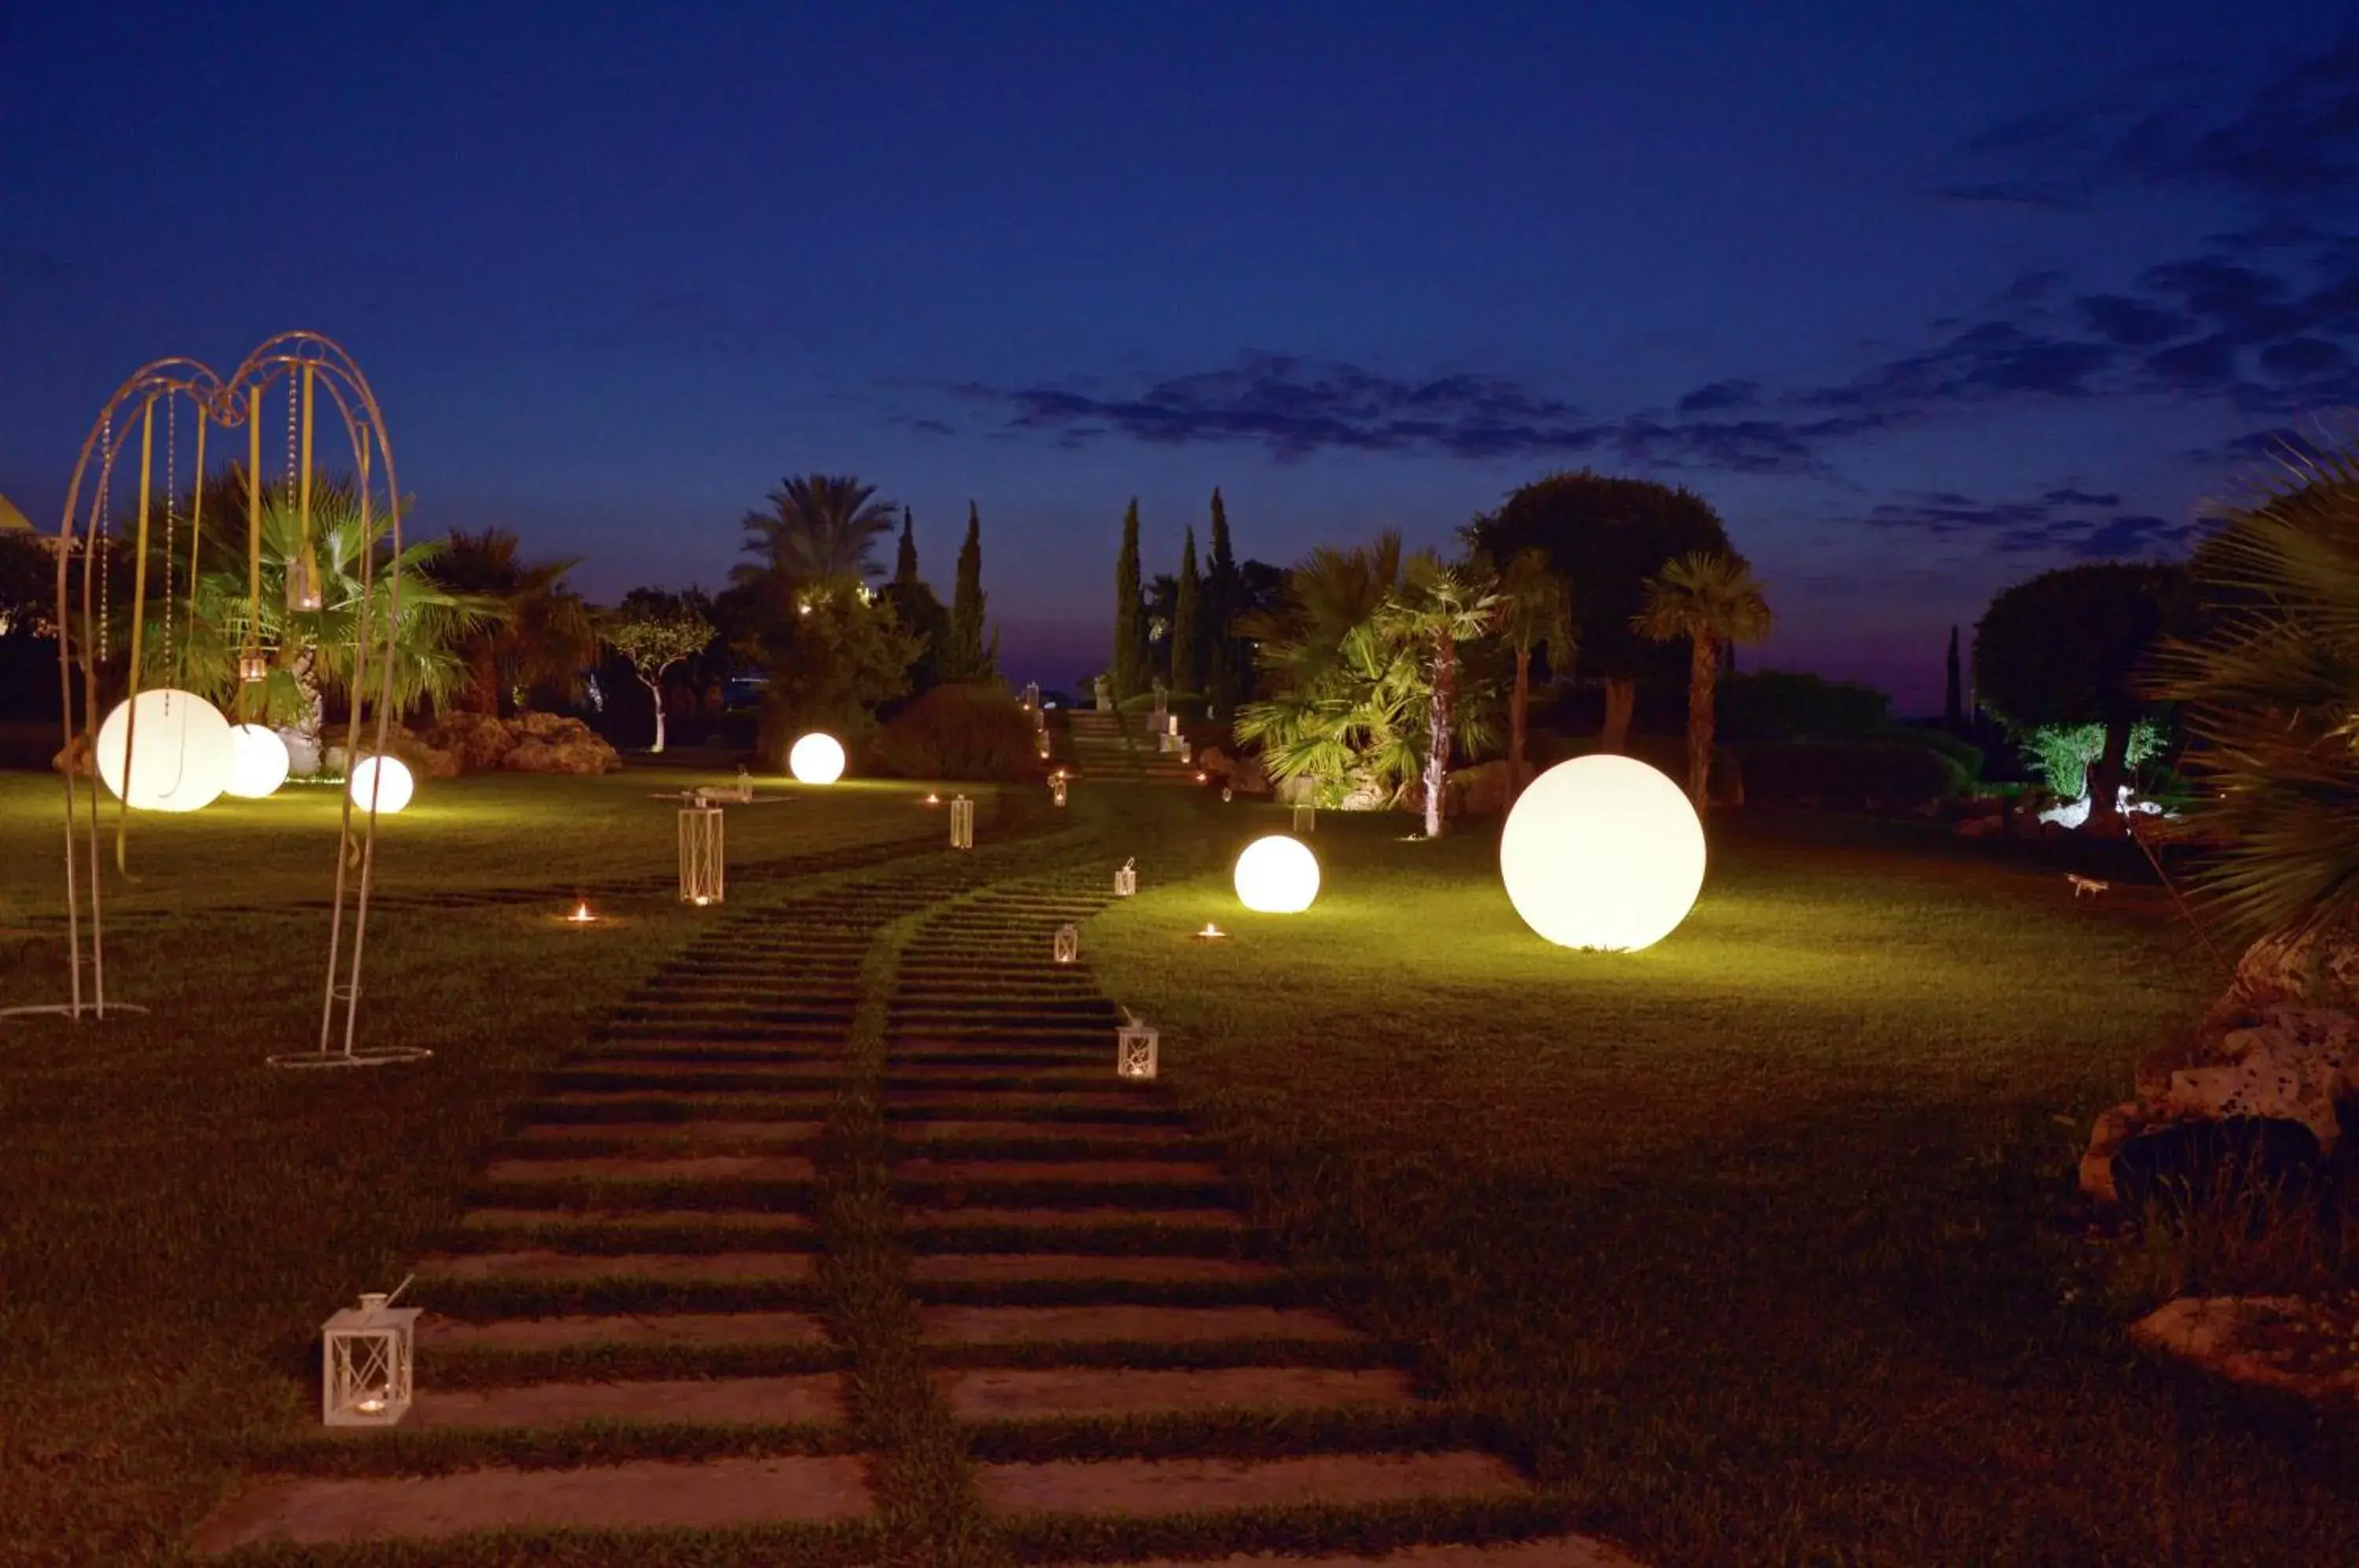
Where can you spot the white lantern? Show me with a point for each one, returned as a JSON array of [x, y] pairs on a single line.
[[1067, 947], [1125, 879], [702, 856], [816, 758], [258, 762], [1171, 724], [384, 778], [961, 822], [1134, 1049], [1305, 817], [365, 1356], [1057, 788], [181, 752], [1044, 745], [1603, 852], [1277, 876]]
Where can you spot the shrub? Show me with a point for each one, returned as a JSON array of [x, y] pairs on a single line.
[[1964, 753], [961, 732], [2063, 754], [1849, 773]]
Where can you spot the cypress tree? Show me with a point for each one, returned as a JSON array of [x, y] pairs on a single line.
[[1219, 635], [1186, 635], [969, 659], [1129, 613], [905, 565], [1953, 697]]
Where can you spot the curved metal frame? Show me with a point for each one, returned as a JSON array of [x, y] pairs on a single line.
[[313, 362]]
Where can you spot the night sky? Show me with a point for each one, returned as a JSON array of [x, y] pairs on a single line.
[[1922, 299]]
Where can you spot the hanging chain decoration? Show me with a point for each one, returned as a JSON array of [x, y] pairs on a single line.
[[87, 536]]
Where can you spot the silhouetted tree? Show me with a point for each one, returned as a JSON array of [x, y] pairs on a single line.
[[968, 658], [1129, 613], [1223, 659], [1187, 630], [1606, 536]]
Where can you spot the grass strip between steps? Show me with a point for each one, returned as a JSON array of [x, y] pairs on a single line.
[[920, 1474]]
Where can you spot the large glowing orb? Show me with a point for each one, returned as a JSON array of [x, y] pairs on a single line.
[[180, 751], [389, 776], [1277, 876], [816, 759], [1603, 852], [258, 762]]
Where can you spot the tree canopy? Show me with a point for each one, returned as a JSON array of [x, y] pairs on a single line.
[[2066, 646]]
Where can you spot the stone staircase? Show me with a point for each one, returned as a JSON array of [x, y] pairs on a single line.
[[1110, 746]]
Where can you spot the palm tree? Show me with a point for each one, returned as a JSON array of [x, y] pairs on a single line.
[[1438, 609], [1712, 600], [819, 527], [538, 633], [311, 652], [2270, 695], [1339, 709], [1535, 611]]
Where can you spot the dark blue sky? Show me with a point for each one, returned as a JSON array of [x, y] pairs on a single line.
[[1923, 303]]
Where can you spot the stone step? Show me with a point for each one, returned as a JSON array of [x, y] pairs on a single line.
[[1128, 1322], [810, 1398], [1162, 1486], [1547, 1552], [1175, 1134], [711, 1132], [656, 1168], [989, 1172], [555, 1332], [756, 1224], [700, 1078], [1023, 1393], [545, 1264], [1192, 1222], [1004, 1268], [800, 1102], [643, 1494]]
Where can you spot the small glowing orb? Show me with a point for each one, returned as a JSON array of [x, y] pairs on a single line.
[[181, 751], [258, 762], [1277, 876], [388, 777], [816, 759], [581, 915], [1603, 852]]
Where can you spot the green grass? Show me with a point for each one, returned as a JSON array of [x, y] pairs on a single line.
[[1762, 1245], [1758, 1247], [176, 1218]]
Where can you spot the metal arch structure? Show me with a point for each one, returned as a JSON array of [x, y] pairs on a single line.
[[307, 362]]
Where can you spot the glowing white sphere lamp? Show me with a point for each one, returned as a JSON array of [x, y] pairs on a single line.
[[1603, 852], [258, 762], [816, 759], [180, 751], [388, 777], [1277, 876]]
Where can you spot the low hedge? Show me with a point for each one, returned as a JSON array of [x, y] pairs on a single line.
[[977, 733], [1849, 773]]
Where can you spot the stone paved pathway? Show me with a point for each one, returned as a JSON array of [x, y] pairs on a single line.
[[844, 1228]]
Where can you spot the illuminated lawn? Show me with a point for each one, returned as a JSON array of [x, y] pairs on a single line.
[[1763, 1241], [501, 829], [175, 1219]]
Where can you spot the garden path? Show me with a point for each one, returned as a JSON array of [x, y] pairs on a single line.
[[845, 1241]]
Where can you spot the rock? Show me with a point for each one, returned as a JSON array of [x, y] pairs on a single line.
[[1481, 790], [480, 741], [2307, 1346], [303, 753], [77, 758], [529, 743], [2280, 1050]]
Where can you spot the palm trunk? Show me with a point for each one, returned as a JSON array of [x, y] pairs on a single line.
[[2108, 777], [1621, 696], [1438, 734], [1518, 704], [485, 697], [313, 726], [1704, 669], [656, 690]]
